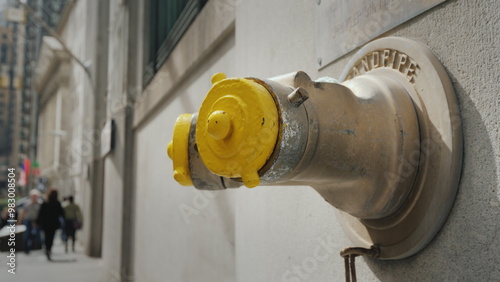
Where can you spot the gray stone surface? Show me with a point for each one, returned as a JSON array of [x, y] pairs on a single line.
[[284, 230]]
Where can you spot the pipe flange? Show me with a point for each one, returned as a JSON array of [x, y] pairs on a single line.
[[438, 162]]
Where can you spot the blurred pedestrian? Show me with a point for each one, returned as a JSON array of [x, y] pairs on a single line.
[[28, 217], [48, 219], [64, 203], [73, 221]]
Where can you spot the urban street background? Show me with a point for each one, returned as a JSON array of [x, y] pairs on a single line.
[[89, 94]]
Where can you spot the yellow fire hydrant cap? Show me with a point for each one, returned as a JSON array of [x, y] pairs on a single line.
[[177, 150], [237, 128]]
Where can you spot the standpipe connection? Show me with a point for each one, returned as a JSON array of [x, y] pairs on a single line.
[[384, 146], [346, 140]]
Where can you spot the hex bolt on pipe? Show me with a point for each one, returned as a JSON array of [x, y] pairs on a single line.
[[384, 146]]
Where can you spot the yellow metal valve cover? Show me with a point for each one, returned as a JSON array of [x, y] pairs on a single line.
[[178, 150], [237, 128]]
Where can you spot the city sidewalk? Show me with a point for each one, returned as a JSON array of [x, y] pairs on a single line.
[[74, 267]]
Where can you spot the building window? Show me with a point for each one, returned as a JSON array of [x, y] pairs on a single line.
[[167, 22], [3, 53]]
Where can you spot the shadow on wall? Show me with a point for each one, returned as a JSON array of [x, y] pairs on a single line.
[[468, 246]]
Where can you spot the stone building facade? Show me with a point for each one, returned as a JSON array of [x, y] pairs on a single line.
[[153, 229]]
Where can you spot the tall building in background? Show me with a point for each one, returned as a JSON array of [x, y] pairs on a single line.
[[12, 122], [20, 41], [29, 97], [5, 54]]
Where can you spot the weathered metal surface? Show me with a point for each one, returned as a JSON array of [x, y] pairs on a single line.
[[297, 97], [359, 132], [292, 137], [201, 177], [344, 25], [437, 163], [384, 146]]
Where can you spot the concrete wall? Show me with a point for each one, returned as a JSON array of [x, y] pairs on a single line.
[[291, 233], [291, 223], [192, 232]]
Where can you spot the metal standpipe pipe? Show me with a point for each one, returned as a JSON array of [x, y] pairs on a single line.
[[383, 146], [344, 140]]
